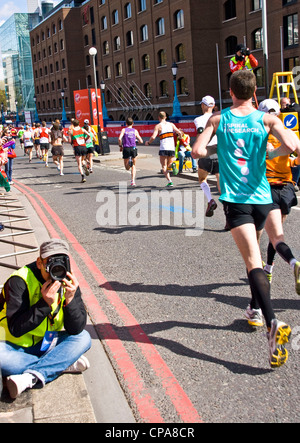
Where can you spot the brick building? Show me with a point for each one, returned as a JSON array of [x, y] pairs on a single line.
[[138, 41]]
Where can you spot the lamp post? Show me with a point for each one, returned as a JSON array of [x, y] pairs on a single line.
[[36, 115], [104, 109], [176, 105], [64, 118], [17, 114], [93, 52], [265, 43]]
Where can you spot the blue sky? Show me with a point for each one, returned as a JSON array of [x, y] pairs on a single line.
[[9, 7]]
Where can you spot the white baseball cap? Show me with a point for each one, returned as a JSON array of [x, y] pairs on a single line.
[[86, 121], [269, 105], [208, 101]]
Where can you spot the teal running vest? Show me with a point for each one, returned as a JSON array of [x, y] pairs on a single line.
[[242, 145]]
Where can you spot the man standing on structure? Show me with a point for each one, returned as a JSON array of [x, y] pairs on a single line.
[[243, 59]]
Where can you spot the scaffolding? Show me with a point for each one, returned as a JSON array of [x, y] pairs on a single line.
[[132, 100]]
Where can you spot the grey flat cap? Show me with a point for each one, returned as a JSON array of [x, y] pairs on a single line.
[[53, 247]]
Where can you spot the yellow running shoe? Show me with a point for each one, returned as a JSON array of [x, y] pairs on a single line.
[[278, 337], [254, 317]]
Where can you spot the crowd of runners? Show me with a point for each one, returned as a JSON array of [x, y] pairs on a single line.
[[253, 157]]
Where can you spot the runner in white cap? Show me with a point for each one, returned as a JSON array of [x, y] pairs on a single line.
[[209, 165]]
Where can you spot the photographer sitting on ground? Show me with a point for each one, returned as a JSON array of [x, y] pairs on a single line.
[[36, 303]]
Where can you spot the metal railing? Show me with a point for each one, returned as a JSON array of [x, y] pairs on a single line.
[[8, 206]]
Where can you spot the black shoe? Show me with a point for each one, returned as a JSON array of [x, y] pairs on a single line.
[[212, 205]]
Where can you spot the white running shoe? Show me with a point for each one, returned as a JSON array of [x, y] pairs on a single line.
[[254, 316], [16, 384], [81, 365]]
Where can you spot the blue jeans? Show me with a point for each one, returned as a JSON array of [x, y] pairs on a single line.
[[182, 155], [8, 169], [46, 367]]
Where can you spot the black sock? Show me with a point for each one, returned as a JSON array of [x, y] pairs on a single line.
[[271, 254], [260, 289], [285, 252]]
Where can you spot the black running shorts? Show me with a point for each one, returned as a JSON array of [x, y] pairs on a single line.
[[209, 165], [284, 197], [238, 214], [57, 151], [129, 152], [80, 151], [164, 153]]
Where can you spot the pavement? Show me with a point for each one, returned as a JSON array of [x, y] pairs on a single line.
[[94, 396]]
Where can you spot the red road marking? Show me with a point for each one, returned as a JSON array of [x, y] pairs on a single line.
[[179, 398]]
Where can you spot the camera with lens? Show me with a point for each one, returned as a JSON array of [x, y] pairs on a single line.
[[58, 266]]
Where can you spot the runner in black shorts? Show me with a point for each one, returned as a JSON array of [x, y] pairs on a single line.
[[280, 177], [242, 134], [208, 165], [127, 144]]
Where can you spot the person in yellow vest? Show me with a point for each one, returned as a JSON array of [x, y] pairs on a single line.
[[280, 178], [183, 150], [243, 59], [38, 301]]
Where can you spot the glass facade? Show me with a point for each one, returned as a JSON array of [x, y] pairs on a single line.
[[17, 62]]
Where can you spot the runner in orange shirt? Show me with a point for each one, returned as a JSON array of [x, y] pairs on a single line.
[[279, 175]]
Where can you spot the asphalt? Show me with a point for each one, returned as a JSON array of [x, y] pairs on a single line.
[[92, 397]]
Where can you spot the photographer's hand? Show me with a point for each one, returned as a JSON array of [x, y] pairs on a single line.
[[49, 291], [70, 285]]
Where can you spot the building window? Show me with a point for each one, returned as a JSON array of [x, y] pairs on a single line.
[[229, 9], [148, 90], [290, 26], [257, 38], [163, 87], [129, 38], [146, 62], [291, 63], [115, 17], [117, 43], [107, 72], [179, 19], [182, 86], [256, 5], [131, 66], [162, 58], [231, 44], [128, 12], [119, 70], [144, 33], [142, 5], [103, 23], [180, 53], [160, 26], [105, 48]]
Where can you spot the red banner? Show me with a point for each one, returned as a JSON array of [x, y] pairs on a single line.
[[147, 130], [86, 106]]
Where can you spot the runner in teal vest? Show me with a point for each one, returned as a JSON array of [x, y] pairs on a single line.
[[242, 165], [242, 142]]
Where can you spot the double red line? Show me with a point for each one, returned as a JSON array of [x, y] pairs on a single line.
[[148, 411]]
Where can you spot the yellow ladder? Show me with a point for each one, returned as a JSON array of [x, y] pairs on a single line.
[[286, 86]]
